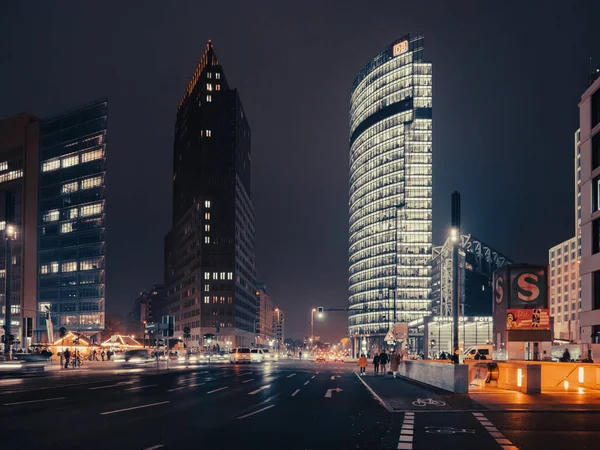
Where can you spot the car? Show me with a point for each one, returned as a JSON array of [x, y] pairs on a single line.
[[257, 355], [240, 355], [135, 358], [338, 358], [269, 355], [320, 358]]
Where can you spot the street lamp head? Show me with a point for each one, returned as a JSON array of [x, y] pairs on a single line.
[[11, 231], [314, 310], [454, 234]]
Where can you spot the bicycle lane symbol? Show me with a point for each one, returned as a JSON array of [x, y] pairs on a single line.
[[428, 401]]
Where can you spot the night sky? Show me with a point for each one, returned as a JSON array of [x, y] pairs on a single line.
[[507, 80]]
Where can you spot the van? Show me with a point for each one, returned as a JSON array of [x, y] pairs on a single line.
[[483, 350], [240, 355]]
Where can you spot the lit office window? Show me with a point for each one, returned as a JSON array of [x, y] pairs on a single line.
[[70, 187], [92, 156], [208, 87], [66, 227], [73, 213], [218, 76], [207, 228], [54, 267], [3, 165], [230, 276], [207, 275], [51, 165], [88, 183], [207, 239], [206, 299], [51, 216], [218, 87], [44, 269], [209, 98], [90, 264], [70, 266], [206, 287], [208, 75], [207, 203], [207, 216], [70, 161], [90, 210], [208, 133]]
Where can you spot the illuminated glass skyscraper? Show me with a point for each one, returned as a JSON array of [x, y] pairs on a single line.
[[71, 238], [390, 193]]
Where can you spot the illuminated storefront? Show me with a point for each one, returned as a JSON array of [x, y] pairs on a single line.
[[436, 333], [390, 192]]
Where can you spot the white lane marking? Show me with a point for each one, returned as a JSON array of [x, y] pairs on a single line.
[[257, 411], [135, 407], [295, 392], [306, 383], [377, 397], [122, 383], [497, 435], [176, 389], [248, 381], [217, 390], [292, 375], [259, 389], [154, 447], [312, 377], [404, 446], [332, 377], [34, 401], [141, 387], [329, 391], [406, 438]]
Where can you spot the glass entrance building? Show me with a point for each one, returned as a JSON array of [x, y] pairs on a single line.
[[390, 207]]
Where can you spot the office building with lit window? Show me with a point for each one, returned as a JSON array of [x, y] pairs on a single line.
[[390, 203], [19, 169], [71, 232], [210, 274], [565, 282], [589, 268]]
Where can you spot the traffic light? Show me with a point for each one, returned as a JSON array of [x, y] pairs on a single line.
[[186, 332], [11, 339], [320, 312]]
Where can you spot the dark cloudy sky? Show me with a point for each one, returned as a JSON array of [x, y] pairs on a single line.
[[507, 79]]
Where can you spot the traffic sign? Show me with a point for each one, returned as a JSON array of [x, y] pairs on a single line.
[[151, 326], [389, 337]]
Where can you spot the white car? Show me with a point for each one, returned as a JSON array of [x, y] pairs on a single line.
[[240, 355], [269, 355], [257, 355]]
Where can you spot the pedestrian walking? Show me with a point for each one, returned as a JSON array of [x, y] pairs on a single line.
[[94, 353], [395, 363], [383, 360], [67, 355], [102, 355], [376, 364], [362, 363], [300, 355]]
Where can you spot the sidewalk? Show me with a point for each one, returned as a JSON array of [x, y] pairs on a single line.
[[399, 394]]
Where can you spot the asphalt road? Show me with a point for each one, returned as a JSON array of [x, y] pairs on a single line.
[[285, 405]]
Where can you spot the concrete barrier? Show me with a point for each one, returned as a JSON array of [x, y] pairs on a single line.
[[444, 375]]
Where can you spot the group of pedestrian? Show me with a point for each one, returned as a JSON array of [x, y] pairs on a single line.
[[380, 362]]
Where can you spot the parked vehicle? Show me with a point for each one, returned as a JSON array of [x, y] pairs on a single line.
[[483, 350], [240, 355]]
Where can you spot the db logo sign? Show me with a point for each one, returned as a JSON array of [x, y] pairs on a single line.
[[499, 289], [400, 47]]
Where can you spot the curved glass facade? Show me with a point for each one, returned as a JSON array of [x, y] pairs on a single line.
[[390, 191]]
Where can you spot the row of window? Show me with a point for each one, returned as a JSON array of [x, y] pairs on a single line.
[[71, 266], [86, 183], [73, 213], [219, 276], [72, 160], [12, 175]]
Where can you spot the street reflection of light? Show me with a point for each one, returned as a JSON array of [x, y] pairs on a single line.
[[519, 377], [566, 384], [581, 374]]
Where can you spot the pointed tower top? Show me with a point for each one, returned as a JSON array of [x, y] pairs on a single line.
[[208, 59]]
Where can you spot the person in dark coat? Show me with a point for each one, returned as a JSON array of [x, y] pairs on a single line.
[[383, 360], [376, 364], [67, 355]]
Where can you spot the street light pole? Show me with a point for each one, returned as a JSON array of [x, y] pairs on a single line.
[[9, 230], [455, 239], [312, 324]]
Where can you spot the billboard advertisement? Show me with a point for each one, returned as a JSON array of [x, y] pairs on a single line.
[[527, 319]]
